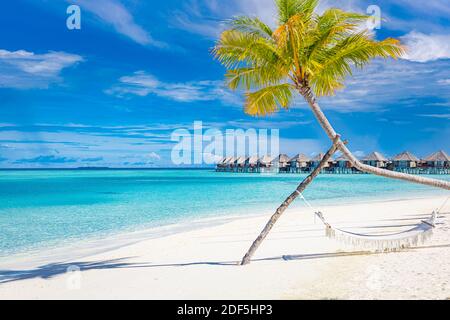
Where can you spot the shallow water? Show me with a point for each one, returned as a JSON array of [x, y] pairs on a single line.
[[45, 208]]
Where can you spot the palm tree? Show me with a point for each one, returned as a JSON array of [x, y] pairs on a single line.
[[309, 54]]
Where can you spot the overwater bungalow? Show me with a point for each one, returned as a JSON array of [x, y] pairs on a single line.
[[315, 161], [230, 164], [239, 164], [437, 163], [282, 163], [251, 164], [375, 159], [406, 162], [222, 164], [299, 163], [342, 165], [265, 164]]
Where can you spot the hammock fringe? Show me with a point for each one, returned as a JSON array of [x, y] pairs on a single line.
[[379, 245], [382, 243]]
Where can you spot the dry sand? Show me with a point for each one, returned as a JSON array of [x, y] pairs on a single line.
[[295, 262]]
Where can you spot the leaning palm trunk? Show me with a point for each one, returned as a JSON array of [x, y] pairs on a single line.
[[302, 186], [338, 144], [309, 97], [307, 52]]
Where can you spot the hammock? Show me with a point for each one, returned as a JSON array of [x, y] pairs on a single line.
[[381, 243]]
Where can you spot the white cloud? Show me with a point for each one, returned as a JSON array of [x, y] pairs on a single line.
[[23, 69], [48, 64], [421, 16], [154, 155], [115, 14], [207, 17], [143, 84], [423, 48], [436, 116], [81, 147], [444, 82], [387, 84]]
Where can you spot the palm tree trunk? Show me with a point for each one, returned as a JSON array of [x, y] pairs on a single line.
[[320, 116], [338, 144], [302, 186]]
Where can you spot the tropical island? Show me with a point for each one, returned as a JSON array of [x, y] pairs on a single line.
[[336, 221]]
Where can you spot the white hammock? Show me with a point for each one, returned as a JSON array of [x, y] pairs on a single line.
[[381, 243]]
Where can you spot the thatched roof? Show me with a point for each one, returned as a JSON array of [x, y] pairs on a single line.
[[405, 156], [318, 157], [374, 156], [224, 161], [265, 159], [230, 160], [438, 156], [252, 160], [283, 158], [300, 158], [240, 160]]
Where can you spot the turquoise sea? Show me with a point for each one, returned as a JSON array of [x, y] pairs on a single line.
[[46, 208]]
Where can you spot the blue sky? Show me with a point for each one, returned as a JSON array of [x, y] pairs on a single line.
[[111, 93]]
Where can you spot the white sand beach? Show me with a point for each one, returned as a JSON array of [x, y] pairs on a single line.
[[295, 262]]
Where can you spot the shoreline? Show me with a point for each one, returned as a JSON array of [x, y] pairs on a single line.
[[102, 243], [134, 203], [296, 261]]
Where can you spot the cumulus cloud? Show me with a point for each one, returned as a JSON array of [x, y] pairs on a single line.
[[426, 47], [24, 69], [143, 84]]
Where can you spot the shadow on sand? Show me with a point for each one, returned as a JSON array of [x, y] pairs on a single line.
[[54, 269]]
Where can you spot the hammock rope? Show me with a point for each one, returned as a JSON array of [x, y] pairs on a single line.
[[381, 243]]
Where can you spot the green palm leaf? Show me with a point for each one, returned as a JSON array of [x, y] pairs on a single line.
[[268, 100], [251, 26], [306, 52]]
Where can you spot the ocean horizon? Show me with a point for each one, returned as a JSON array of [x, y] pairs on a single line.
[[51, 208]]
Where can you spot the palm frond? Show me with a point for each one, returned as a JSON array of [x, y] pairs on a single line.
[[307, 8], [333, 25], [238, 49], [306, 50], [353, 51], [289, 8], [251, 25], [286, 9], [255, 77], [268, 100]]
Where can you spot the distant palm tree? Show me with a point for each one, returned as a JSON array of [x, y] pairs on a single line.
[[309, 54]]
